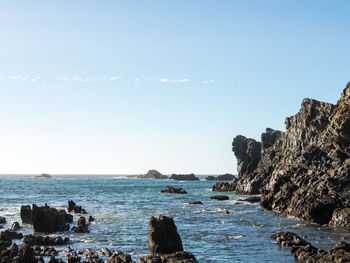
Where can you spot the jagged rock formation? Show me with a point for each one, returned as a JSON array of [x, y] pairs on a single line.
[[303, 251], [224, 186], [303, 172], [165, 243], [47, 219], [73, 207], [223, 177]]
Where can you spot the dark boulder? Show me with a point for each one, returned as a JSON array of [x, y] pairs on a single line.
[[15, 226], [252, 199], [9, 235], [81, 227], [172, 190], [26, 214], [195, 203], [72, 207], [45, 240], [91, 219], [163, 236], [184, 177], [220, 197], [225, 187], [2, 220], [177, 257], [49, 220]]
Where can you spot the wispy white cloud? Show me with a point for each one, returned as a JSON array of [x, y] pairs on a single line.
[[207, 81], [14, 77], [175, 80]]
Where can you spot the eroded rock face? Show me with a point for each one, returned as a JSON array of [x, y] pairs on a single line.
[[225, 187], [26, 214], [303, 251], [49, 220], [303, 172], [163, 236]]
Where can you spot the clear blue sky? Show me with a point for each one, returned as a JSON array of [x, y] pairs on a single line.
[[127, 86]]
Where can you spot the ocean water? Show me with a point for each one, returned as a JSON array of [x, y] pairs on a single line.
[[123, 207]]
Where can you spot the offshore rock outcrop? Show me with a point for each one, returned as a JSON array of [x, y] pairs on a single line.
[[303, 172], [184, 177]]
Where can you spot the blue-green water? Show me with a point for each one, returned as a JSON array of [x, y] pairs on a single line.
[[123, 207]]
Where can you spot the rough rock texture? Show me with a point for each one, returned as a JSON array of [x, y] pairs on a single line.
[[178, 257], [184, 177], [163, 236], [15, 226], [26, 214], [223, 177], [172, 190], [225, 187], [72, 207], [81, 227], [49, 220], [44, 240], [303, 172], [340, 217], [303, 251]]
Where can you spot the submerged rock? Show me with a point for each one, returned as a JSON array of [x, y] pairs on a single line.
[[252, 199], [184, 177], [172, 190], [2, 220], [195, 203], [302, 172], [15, 226], [220, 197]]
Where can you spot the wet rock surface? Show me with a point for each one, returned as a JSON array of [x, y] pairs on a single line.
[[184, 177], [220, 197], [26, 214], [303, 251], [173, 190], [225, 187], [82, 226], [47, 219], [302, 172], [43, 240], [73, 207]]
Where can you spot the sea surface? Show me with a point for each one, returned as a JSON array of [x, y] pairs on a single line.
[[123, 206]]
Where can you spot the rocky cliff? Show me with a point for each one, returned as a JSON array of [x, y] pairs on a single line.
[[304, 171]]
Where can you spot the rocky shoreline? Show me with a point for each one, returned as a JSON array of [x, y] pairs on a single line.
[[304, 171], [165, 243]]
